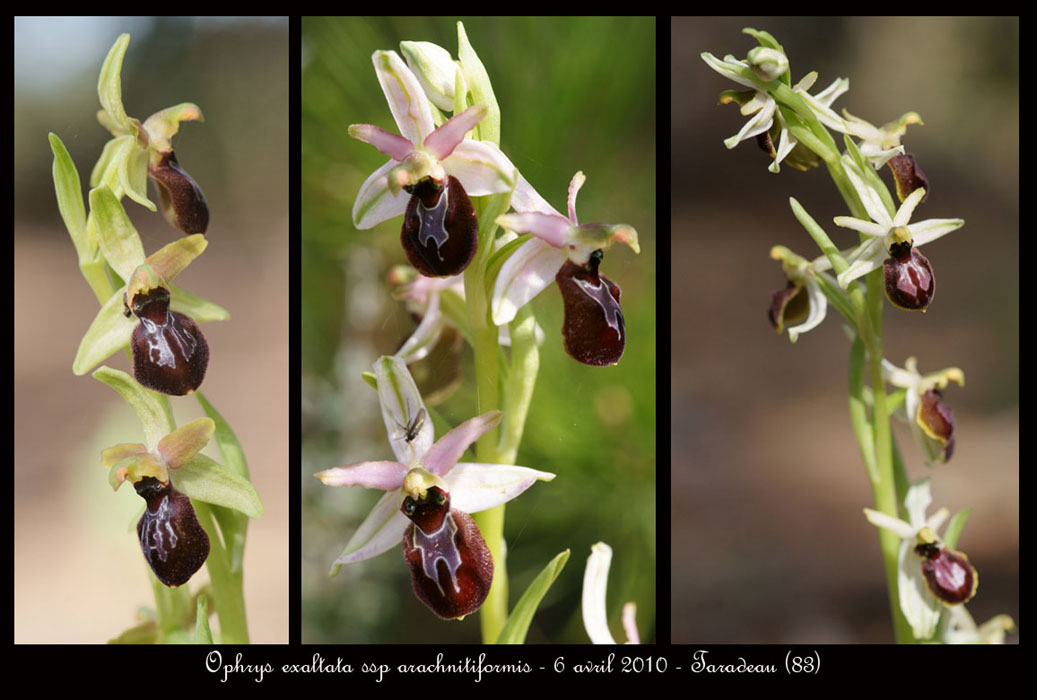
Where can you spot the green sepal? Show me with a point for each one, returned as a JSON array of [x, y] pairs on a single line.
[[119, 241], [109, 87], [197, 308], [109, 331], [106, 169], [515, 629], [202, 633], [205, 479], [954, 528], [180, 446], [371, 380], [70, 197], [133, 175], [152, 408], [478, 81]]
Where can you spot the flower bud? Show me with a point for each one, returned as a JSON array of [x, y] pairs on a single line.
[[170, 354], [450, 565], [909, 277], [594, 330], [767, 63], [435, 70], [183, 203], [171, 537], [947, 573], [440, 231]]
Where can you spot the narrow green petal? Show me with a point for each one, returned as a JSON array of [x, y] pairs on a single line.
[[152, 408], [206, 480], [120, 243], [170, 260], [133, 175]]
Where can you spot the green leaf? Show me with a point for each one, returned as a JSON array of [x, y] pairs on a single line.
[[108, 332], [70, 196], [207, 480], [517, 626], [202, 633], [152, 408], [118, 239], [144, 633], [954, 528], [109, 85]]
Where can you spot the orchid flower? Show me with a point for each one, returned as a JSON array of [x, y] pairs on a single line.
[[137, 151], [878, 144], [942, 575], [564, 250], [430, 175], [931, 420], [434, 491], [801, 299], [595, 582], [893, 246], [962, 628]]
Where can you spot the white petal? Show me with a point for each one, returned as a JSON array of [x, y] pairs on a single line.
[[476, 487], [381, 530], [525, 274], [403, 412], [895, 525], [525, 198], [917, 502], [929, 230], [869, 197], [375, 203], [407, 101], [818, 309], [919, 605], [760, 123], [423, 339], [595, 584], [907, 208], [481, 167]]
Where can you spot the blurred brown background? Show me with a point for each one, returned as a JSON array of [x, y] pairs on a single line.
[[79, 574], [769, 542]]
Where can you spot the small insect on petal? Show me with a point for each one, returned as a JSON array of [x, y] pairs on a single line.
[[450, 565], [593, 329], [171, 538], [440, 230]]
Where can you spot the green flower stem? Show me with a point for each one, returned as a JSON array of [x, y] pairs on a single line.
[[494, 611], [173, 607], [884, 487], [521, 380], [226, 586], [859, 411]]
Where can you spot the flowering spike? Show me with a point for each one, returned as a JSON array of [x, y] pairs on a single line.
[[171, 537]]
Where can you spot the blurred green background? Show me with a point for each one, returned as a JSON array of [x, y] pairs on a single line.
[[575, 94], [79, 573], [769, 543]]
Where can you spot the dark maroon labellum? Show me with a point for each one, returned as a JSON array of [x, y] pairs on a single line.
[[788, 306], [594, 330], [938, 419], [909, 277], [949, 575], [440, 232], [170, 354], [170, 535], [182, 200], [909, 177], [449, 562]]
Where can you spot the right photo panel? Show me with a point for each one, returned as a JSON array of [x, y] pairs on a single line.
[[845, 320]]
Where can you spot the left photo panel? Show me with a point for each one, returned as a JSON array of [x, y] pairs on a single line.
[[151, 378]]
